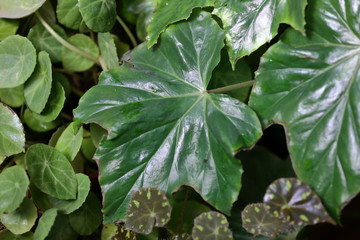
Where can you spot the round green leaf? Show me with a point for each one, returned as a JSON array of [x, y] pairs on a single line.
[[310, 85], [12, 137], [62, 229], [37, 125], [258, 221], [18, 60], [22, 219], [7, 235], [167, 87], [44, 41], [99, 15], [54, 104], [251, 23], [113, 231], [51, 172], [148, 207], [108, 50], [69, 142], [45, 224], [19, 8], [211, 226], [88, 217], [8, 27], [14, 183], [68, 13], [14, 97], [38, 87], [169, 12], [295, 202], [73, 61]]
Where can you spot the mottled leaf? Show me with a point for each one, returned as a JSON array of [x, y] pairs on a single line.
[[108, 50], [45, 224], [183, 236], [69, 142], [113, 231], [8, 27], [68, 13], [19, 8], [211, 226]]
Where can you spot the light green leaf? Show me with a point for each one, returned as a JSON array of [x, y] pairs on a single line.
[[22, 219], [44, 41], [249, 24], [8, 27], [19, 8], [99, 15], [68, 13], [169, 12], [18, 60], [51, 172], [38, 87], [74, 62], [12, 137], [167, 87], [108, 50], [14, 183], [311, 85], [14, 97], [88, 217], [69, 142], [37, 125], [45, 224]]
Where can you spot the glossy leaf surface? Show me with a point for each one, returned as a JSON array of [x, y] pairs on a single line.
[[68, 13], [8, 27], [18, 60], [108, 50], [99, 15], [148, 207], [13, 187], [12, 137], [38, 87], [51, 172], [249, 24], [295, 202], [13, 97], [311, 85], [167, 87], [45, 224], [37, 125], [69, 142], [211, 226], [169, 12], [19, 8]]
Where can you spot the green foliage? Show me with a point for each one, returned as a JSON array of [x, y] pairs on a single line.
[[69, 142], [8, 27], [68, 13], [45, 223], [18, 8], [212, 226]]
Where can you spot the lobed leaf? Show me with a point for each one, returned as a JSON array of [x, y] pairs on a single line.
[[211, 226]]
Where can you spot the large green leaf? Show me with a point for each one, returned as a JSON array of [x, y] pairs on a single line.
[[311, 85], [68, 14], [14, 184], [8, 27], [249, 24], [18, 60], [99, 15], [165, 126], [12, 136], [19, 8], [170, 12]]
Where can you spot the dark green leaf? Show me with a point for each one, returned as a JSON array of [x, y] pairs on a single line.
[[22, 219], [88, 217], [7, 235], [295, 202], [13, 188], [183, 236], [167, 87], [169, 12], [37, 125], [38, 87], [310, 85], [14, 97], [45, 224], [99, 15], [61, 229], [61, 78], [69, 142], [51, 171], [211, 226], [144, 19], [8, 27], [148, 207], [12, 137], [18, 60], [249, 24], [19, 8], [108, 50], [68, 13]]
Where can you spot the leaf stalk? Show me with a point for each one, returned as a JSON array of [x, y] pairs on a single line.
[[232, 87], [127, 30]]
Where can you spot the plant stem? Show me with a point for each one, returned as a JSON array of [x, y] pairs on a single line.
[[232, 87], [66, 116], [127, 30], [77, 92], [64, 42], [102, 63]]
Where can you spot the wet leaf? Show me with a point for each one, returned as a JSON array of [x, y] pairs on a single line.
[[211, 226]]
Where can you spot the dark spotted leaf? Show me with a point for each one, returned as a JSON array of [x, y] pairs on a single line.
[[148, 207], [116, 232], [183, 236], [258, 221], [211, 226], [295, 202]]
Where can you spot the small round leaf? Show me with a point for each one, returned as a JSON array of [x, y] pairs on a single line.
[[211, 226], [51, 172], [294, 201], [148, 206], [19, 8], [45, 224], [13, 187]]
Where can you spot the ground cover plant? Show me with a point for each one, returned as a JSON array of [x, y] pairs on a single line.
[[166, 119]]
